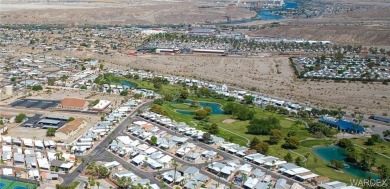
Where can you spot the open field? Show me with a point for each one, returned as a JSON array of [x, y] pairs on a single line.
[[117, 12], [347, 34], [262, 74]]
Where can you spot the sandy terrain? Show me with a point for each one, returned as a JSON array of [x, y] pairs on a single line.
[[122, 12], [353, 35], [262, 73]]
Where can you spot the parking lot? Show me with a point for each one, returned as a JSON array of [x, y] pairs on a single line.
[[33, 103]]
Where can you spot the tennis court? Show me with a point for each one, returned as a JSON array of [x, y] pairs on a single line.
[[11, 184]]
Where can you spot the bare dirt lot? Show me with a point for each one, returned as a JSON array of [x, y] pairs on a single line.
[[353, 35], [119, 12], [269, 75]]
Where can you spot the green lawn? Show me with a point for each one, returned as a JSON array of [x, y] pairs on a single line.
[[238, 128]]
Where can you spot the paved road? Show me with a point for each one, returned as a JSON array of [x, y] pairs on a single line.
[[227, 156], [99, 150], [100, 154], [180, 161]]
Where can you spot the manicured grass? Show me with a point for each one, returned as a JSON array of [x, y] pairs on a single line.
[[382, 147], [314, 163], [313, 143], [141, 84], [182, 106]]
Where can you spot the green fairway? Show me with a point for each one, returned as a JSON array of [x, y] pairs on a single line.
[[236, 131]]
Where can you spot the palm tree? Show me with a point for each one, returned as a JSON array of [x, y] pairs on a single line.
[[124, 182], [57, 155], [231, 185], [244, 177], [219, 175], [175, 165]]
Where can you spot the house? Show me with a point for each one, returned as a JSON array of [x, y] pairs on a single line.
[[188, 172], [19, 159], [172, 177], [281, 184], [251, 183], [112, 165], [74, 103], [46, 176], [70, 129], [192, 156], [192, 184], [209, 154], [33, 174], [321, 180], [8, 172], [127, 174]]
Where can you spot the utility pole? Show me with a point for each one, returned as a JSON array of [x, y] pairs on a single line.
[[25, 84]]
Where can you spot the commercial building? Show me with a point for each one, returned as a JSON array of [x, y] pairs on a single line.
[[70, 129], [74, 103]]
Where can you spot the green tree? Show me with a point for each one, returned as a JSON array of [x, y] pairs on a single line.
[[101, 66], [262, 147], [214, 129], [321, 129], [384, 172], [386, 133], [255, 141], [124, 93], [124, 182], [345, 143], [37, 88], [168, 97], [248, 99], [288, 157], [291, 143], [183, 95], [229, 108], [299, 161], [263, 126], [368, 159], [19, 118], [243, 113], [337, 164], [352, 155], [51, 81], [157, 85], [70, 119], [194, 104], [275, 136], [158, 102], [50, 132], [201, 114], [153, 140], [206, 138], [231, 98]]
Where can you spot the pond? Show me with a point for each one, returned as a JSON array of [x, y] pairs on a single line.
[[215, 108], [266, 14], [128, 83], [337, 153]]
